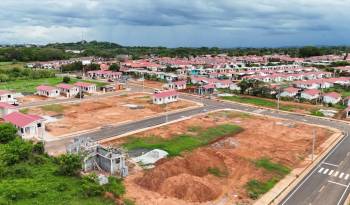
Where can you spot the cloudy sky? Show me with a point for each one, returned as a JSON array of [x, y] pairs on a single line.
[[174, 23]]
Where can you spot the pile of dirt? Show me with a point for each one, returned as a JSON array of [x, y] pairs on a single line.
[[186, 177]]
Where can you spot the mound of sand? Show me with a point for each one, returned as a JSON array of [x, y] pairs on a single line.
[[186, 177]]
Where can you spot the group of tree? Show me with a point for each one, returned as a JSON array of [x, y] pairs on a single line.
[[78, 66], [16, 73], [18, 160], [57, 51]]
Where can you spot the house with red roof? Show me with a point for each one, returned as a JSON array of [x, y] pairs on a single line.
[[47, 91], [68, 90], [165, 97], [86, 87], [332, 98], [28, 126], [310, 94], [223, 83], [6, 109], [177, 85], [289, 92], [8, 97], [104, 74]]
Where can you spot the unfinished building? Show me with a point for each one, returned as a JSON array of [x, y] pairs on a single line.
[[97, 157]]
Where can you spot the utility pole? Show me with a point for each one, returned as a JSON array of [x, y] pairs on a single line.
[[278, 99], [166, 113], [313, 143]]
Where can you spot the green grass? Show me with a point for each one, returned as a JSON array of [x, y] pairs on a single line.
[[177, 144], [345, 92], [29, 86], [54, 108], [10, 65], [258, 102], [317, 112], [217, 172], [24, 110], [276, 168], [41, 185], [255, 188]]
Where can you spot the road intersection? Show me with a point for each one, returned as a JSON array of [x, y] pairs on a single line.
[[328, 183]]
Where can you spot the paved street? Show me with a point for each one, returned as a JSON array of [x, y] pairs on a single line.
[[327, 184]]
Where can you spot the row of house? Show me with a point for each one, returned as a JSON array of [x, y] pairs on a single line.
[[67, 90], [312, 94]]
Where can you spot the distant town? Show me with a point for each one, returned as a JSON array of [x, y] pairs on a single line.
[[100, 123]]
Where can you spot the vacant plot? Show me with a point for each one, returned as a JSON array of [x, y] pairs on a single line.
[[272, 103], [149, 83], [230, 168], [102, 112], [29, 86]]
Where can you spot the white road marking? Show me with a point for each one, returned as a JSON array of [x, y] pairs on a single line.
[[344, 185], [331, 172], [347, 177], [336, 174], [341, 175], [321, 189], [325, 171], [319, 171], [342, 196], [334, 165]]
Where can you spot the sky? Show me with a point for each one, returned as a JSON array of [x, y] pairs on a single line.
[[177, 23]]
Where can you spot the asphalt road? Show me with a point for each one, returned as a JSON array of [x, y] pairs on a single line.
[[327, 184]]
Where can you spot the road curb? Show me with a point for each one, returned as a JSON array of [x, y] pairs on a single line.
[[286, 185]]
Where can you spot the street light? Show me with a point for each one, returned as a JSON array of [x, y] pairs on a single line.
[[313, 144]]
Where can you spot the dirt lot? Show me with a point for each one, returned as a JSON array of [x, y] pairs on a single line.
[[32, 98], [102, 112], [149, 83], [186, 180]]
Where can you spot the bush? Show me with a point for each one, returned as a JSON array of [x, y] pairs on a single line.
[[69, 164], [66, 79], [39, 148], [16, 151], [115, 186], [90, 186], [7, 132]]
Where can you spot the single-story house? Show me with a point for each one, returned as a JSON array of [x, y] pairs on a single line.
[[310, 94], [7, 97], [47, 91], [206, 89], [177, 85], [235, 86], [223, 83], [6, 109], [86, 87], [289, 92], [68, 90], [165, 97], [331, 97], [29, 126]]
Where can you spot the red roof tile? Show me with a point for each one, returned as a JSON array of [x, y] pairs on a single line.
[[20, 119]]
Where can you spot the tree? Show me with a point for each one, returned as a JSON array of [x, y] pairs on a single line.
[[114, 67], [66, 79], [69, 164], [16, 151], [7, 133], [309, 51]]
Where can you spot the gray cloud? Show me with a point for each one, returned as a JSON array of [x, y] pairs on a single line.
[[177, 23]]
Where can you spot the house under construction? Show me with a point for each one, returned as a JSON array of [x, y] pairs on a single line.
[[98, 157]]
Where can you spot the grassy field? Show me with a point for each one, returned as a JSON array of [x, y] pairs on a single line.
[[40, 185], [54, 108], [177, 144], [9, 65], [255, 188], [28, 86], [258, 102]]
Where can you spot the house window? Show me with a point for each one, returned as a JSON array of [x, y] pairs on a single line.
[[39, 124]]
